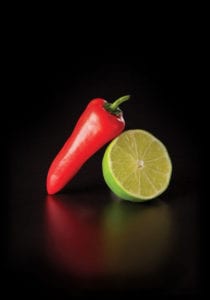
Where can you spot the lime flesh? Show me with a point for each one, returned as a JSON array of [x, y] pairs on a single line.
[[136, 166]]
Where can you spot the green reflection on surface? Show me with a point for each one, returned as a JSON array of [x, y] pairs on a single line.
[[137, 237]]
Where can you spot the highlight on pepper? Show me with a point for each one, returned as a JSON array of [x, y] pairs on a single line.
[[99, 123]]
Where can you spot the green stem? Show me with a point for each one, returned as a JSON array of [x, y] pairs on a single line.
[[114, 107]]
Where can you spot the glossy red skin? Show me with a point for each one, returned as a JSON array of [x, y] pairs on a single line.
[[95, 127]]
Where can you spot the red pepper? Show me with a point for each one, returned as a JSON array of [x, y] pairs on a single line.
[[99, 123]]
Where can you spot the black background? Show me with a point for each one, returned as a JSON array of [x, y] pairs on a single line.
[[49, 99]]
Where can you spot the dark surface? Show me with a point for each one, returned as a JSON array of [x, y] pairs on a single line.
[[84, 239]]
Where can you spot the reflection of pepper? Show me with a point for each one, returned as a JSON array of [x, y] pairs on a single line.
[[73, 236], [99, 123]]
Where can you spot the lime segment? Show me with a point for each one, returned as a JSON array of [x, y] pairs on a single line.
[[136, 166]]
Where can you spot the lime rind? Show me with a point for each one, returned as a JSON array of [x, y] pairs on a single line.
[[152, 184], [112, 181]]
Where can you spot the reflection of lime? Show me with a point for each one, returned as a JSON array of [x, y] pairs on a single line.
[[138, 240], [136, 166]]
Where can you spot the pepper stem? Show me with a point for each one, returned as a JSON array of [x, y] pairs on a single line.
[[114, 107]]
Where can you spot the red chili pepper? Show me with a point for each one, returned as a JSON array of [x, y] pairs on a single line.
[[99, 123]]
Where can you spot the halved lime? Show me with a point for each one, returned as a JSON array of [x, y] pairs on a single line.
[[136, 166]]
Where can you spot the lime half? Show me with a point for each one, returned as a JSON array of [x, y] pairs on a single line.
[[136, 166]]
